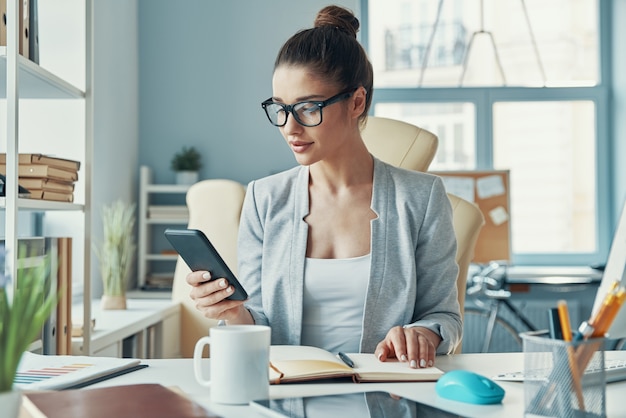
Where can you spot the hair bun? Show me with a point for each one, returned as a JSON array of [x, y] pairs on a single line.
[[338, 17]]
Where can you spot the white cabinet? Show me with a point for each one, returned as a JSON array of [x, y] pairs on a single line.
[[156, 263], [22, 79]]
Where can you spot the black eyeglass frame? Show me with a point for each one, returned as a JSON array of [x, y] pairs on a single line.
[[346, 94]]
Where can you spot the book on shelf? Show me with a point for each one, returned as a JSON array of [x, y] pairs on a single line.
[[160, 280], [149, 400], [23, 26], [22, 191], [42, 183], [52, 161], [55, 372], [64, 285], [41, 170], [48, 195], [293, 363]]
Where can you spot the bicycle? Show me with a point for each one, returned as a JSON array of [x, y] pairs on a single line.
[[489, 331], [485, 330]]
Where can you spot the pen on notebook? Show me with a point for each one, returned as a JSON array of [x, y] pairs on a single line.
[[344, 357]]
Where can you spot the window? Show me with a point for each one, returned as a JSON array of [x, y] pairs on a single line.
[[506, 84]]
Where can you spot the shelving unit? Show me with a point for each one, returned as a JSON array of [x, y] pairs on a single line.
[[149, 259], [20, 79]]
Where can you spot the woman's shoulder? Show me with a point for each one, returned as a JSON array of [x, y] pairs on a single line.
[[404, 175]]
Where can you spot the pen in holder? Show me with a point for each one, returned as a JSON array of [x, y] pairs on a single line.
[[563, 379]]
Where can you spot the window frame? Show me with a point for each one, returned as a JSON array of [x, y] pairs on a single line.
[[484, 98]]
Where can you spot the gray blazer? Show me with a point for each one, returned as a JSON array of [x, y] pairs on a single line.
[[413, 269]]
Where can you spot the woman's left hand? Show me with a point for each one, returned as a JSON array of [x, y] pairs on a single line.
[[415, 345]]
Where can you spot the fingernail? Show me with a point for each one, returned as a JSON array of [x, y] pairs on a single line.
[[230, 290], [422, 363], [222, 283], [206, 276], [430, 363], [380, 356], [413, 364], [403, 358]]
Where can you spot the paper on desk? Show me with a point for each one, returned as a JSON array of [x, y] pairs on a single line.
[[44, 372]]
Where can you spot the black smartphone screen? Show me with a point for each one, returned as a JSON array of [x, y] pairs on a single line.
[[199, 254]]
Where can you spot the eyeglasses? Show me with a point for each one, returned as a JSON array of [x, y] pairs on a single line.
[[307, 113]]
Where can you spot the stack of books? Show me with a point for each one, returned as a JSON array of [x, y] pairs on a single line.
[[46, 177]]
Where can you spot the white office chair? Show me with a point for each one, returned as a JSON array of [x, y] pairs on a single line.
[[399, 143]]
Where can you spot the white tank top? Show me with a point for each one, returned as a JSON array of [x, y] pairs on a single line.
[[334, 299]]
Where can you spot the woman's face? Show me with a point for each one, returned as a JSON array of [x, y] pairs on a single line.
[[332, 138]]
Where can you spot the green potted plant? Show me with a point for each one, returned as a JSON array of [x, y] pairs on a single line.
[[23, 311], [116, 252], [186, 163]]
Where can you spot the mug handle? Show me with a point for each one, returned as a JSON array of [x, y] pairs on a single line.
[[197, 357]]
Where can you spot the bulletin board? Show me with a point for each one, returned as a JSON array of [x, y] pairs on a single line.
[[489, 190]]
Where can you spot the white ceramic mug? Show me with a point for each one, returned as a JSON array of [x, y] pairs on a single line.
[[239, 363]]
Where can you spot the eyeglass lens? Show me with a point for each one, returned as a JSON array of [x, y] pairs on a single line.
[[305, 113]]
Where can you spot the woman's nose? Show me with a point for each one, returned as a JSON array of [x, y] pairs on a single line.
[[292, 125]]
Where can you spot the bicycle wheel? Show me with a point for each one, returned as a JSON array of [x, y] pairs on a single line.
[[505, 338]]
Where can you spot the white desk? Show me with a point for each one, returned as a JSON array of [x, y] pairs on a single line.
[[179, 372], [155, 324]]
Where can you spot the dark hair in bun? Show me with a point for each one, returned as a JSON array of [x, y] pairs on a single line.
[[331, 51], [339, 18]]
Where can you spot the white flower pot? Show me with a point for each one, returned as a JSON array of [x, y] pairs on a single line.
[[108, 303], [186, 177], [10, 403]]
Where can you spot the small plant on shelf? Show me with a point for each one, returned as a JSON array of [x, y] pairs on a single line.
[[188, 159], [116, 252], [186, 164]]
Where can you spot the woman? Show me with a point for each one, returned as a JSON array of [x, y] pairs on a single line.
[[344, 251]]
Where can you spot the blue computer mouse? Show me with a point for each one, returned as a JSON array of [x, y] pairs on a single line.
[[469, 387]]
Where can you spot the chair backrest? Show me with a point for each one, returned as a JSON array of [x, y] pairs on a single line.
[[408, 146], [214, 208], [399, 143], [468, 221]]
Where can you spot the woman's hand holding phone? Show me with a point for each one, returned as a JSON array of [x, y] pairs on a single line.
[[220, 296], [210, 297]]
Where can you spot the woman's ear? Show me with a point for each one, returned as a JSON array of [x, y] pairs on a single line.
[[359, 99]]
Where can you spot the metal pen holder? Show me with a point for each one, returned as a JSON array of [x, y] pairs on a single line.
[[563, 379]]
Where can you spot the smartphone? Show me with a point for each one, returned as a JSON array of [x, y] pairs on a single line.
[[199, 254]]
